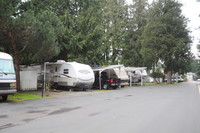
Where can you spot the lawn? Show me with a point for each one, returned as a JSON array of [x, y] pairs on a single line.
[[162, 83], [23, 96]]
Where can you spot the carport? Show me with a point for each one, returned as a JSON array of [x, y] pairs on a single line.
[[103, 68]]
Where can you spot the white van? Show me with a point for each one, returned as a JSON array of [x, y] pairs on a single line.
[[7, 76]]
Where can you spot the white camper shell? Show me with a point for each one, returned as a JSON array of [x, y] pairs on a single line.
[[70, 74], [7, 76]]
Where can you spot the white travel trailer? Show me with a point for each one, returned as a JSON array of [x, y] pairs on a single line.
[[7, 76], [69, 74]]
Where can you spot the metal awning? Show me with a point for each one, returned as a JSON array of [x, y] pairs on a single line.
[[102, 68], [135, 68]]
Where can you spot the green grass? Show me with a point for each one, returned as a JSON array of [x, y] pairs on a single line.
[[23, 96], [98, 89], [153, 84]]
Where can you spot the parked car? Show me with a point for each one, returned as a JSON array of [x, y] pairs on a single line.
[[111, 76], [177, 79], [106, 82], [174, 79]]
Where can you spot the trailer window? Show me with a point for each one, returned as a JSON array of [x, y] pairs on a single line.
[[66, 71]]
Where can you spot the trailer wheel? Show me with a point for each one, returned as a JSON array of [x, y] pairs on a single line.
[[4, 98], [71, 89], [105, 86]]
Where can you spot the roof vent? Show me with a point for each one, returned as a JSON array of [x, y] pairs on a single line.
[[60, 61]]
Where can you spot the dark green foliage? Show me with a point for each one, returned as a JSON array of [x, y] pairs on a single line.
[[195, 66], [43, 44], [166, 37], [83, 30], [114, 24], [157, 75], [83, 36], [7, 11], [97, 32], [23, 31], [136, 21]]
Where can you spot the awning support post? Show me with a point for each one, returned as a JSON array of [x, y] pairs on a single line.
[[100, 80]]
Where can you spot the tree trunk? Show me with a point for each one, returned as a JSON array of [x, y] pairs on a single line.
[[16, 58], [17, 67], [169, 77]]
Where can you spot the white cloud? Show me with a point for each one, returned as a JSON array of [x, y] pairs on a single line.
[[191, 10]]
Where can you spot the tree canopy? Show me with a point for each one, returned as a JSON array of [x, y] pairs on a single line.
[[96, 32], [28, 36], [166, 37]]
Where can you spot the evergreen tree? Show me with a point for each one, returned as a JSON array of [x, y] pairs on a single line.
[[166, 37], [84, 31], [114, 22], [43, 45], [20, 30], [135, 26]]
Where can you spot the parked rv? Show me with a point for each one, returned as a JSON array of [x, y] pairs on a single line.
[[137, 74], [113, 76], [71, 75], [7, 76]]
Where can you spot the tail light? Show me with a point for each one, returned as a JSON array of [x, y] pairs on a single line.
[[111, 81]]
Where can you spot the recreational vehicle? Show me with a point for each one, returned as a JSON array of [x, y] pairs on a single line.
[[7, 76], [137, 74], [70, 74], [113, 76]]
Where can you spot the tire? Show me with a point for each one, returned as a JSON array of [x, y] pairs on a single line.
[[5, 98], [55, 86], [105, 86], [84, 89], [71, 89], [114, 87]]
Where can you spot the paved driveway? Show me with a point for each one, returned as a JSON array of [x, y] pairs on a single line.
[[147, 109]]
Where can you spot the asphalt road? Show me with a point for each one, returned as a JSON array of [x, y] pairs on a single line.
[[147, 109]]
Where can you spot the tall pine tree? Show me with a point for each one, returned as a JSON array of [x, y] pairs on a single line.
[[166, 37], [135, 26]]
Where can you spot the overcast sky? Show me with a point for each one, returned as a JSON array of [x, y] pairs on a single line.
[[191, 10]]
